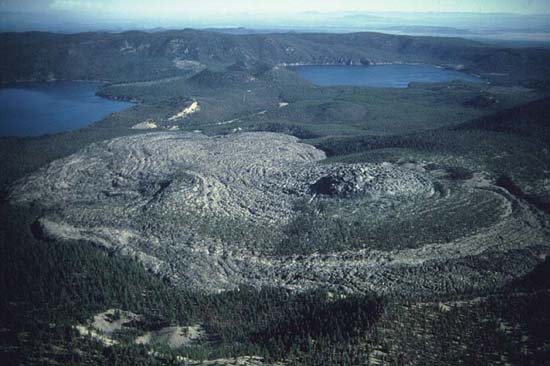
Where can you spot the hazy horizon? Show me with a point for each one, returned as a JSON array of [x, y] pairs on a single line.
[[525, 20], [175, 8]]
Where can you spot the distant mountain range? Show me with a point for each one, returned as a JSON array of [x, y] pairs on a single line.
[[482, 25]]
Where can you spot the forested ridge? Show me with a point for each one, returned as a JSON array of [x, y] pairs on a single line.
[[134, 55]]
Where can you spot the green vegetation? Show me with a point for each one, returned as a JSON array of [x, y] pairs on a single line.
[[49, 287], [363, 224], [457, 128], [139, 56]]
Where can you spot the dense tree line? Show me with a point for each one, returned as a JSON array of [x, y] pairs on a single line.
[[48, 287]]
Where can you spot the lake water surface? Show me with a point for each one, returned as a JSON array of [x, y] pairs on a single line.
[[392, 76], [33, 109]]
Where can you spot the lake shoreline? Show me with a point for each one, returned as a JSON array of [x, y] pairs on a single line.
[[53, 107]]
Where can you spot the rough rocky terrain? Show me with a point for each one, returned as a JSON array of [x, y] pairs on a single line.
[[167, 199], [174, 337], [107, 327]]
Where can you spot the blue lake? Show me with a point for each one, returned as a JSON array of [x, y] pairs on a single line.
[[33, 109], [392, 76]]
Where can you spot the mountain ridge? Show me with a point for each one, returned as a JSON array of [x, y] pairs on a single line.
[[137, 55]]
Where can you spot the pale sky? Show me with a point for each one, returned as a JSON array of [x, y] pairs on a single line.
[[173, 8]]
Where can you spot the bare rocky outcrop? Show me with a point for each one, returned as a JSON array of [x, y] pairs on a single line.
[[187, 111], [371, 180], [145, 125], [179, 202]]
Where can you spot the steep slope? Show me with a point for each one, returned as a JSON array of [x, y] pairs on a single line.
[[529, 120]]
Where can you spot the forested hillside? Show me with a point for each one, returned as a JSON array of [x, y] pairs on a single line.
[[132, 56]]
